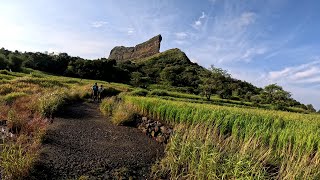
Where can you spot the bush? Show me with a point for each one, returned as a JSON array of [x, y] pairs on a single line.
[[139, 92], [50, 103], [159, 92], [5, 72], [108, 92], [235, 98], [123, 114], [16, 161], [107, 105], [10, 98]]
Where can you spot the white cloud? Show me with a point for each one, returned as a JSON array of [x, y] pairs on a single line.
[[303, 74], [203, 16], [246, 18], [307, 73], [228, 38], [131, 31], [198, 23], [98, 24], [181, 35]]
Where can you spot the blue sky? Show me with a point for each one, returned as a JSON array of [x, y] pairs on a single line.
[[262, 42]]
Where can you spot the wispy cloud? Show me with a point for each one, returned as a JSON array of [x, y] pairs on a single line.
[[198, 23], [99, 24], [229, 38], [130, 31], [308, 73], [181, 35]]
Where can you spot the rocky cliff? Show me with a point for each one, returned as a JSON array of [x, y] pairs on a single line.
[[145, 49]]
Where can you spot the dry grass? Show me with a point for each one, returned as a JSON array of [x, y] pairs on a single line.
[[26, 101], [123, 114]]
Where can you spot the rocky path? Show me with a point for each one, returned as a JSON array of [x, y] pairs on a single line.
[[84, 143]]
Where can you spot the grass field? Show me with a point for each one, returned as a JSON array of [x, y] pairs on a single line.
[[286, 145], [27, 101], [211, 140]]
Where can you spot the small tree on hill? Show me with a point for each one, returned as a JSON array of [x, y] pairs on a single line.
[[213, 82], [274, 94], [311, 108]]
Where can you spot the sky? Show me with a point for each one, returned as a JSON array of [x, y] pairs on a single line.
[[259, 41]]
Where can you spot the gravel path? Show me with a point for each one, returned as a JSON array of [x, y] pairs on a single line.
[[84, 143]]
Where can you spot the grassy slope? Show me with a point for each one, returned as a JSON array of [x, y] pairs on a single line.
[[287, 145], [26, 101], [211, 141]]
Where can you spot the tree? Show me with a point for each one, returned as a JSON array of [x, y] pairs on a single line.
[[171, 75], [213, 81], [138, 80], [3, 62], [15, 62], [274, 94], [310, 108]]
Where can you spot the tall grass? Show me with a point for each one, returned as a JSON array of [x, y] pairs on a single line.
[[201, 152], [26, 101], [280, 132]]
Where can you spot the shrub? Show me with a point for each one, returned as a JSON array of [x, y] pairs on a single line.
[[6, 72], [10, 98], [50, 103], [139, 92], [109, 91], [16, 160], [159, 92], [6, 88], [107, 105], [123, 114]]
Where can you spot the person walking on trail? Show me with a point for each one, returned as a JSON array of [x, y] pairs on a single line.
[[95, 89], [100, 92]]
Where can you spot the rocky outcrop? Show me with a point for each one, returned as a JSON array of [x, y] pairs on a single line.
[[145, 49], [155, 129]]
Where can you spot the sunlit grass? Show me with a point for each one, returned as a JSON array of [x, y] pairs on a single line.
[[291, 139]]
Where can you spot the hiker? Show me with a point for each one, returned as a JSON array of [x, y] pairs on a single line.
[[100, 92], [95, 89]]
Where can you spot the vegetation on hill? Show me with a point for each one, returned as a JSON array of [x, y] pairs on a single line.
[[171, 70]]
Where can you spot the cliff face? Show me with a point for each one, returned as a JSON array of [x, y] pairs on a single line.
[[145, 49]]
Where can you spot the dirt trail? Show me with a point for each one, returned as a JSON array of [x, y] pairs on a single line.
[[84, 143]]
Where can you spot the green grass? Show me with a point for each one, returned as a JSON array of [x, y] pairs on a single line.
[[279, 132]]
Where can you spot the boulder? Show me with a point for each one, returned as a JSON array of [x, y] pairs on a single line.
[[145, 49], [161, 139], [163, 129], [144, 119], [156, 129]]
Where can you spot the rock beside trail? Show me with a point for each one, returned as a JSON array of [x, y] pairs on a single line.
[[145, 49], [5, 131], [155, 129]]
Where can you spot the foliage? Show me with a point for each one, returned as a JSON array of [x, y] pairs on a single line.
[[16, 161], [213, 82], [159, 92], [310, 108], [108, 104], [171, 69], [109, 92], [123, 114], [139, 92]]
